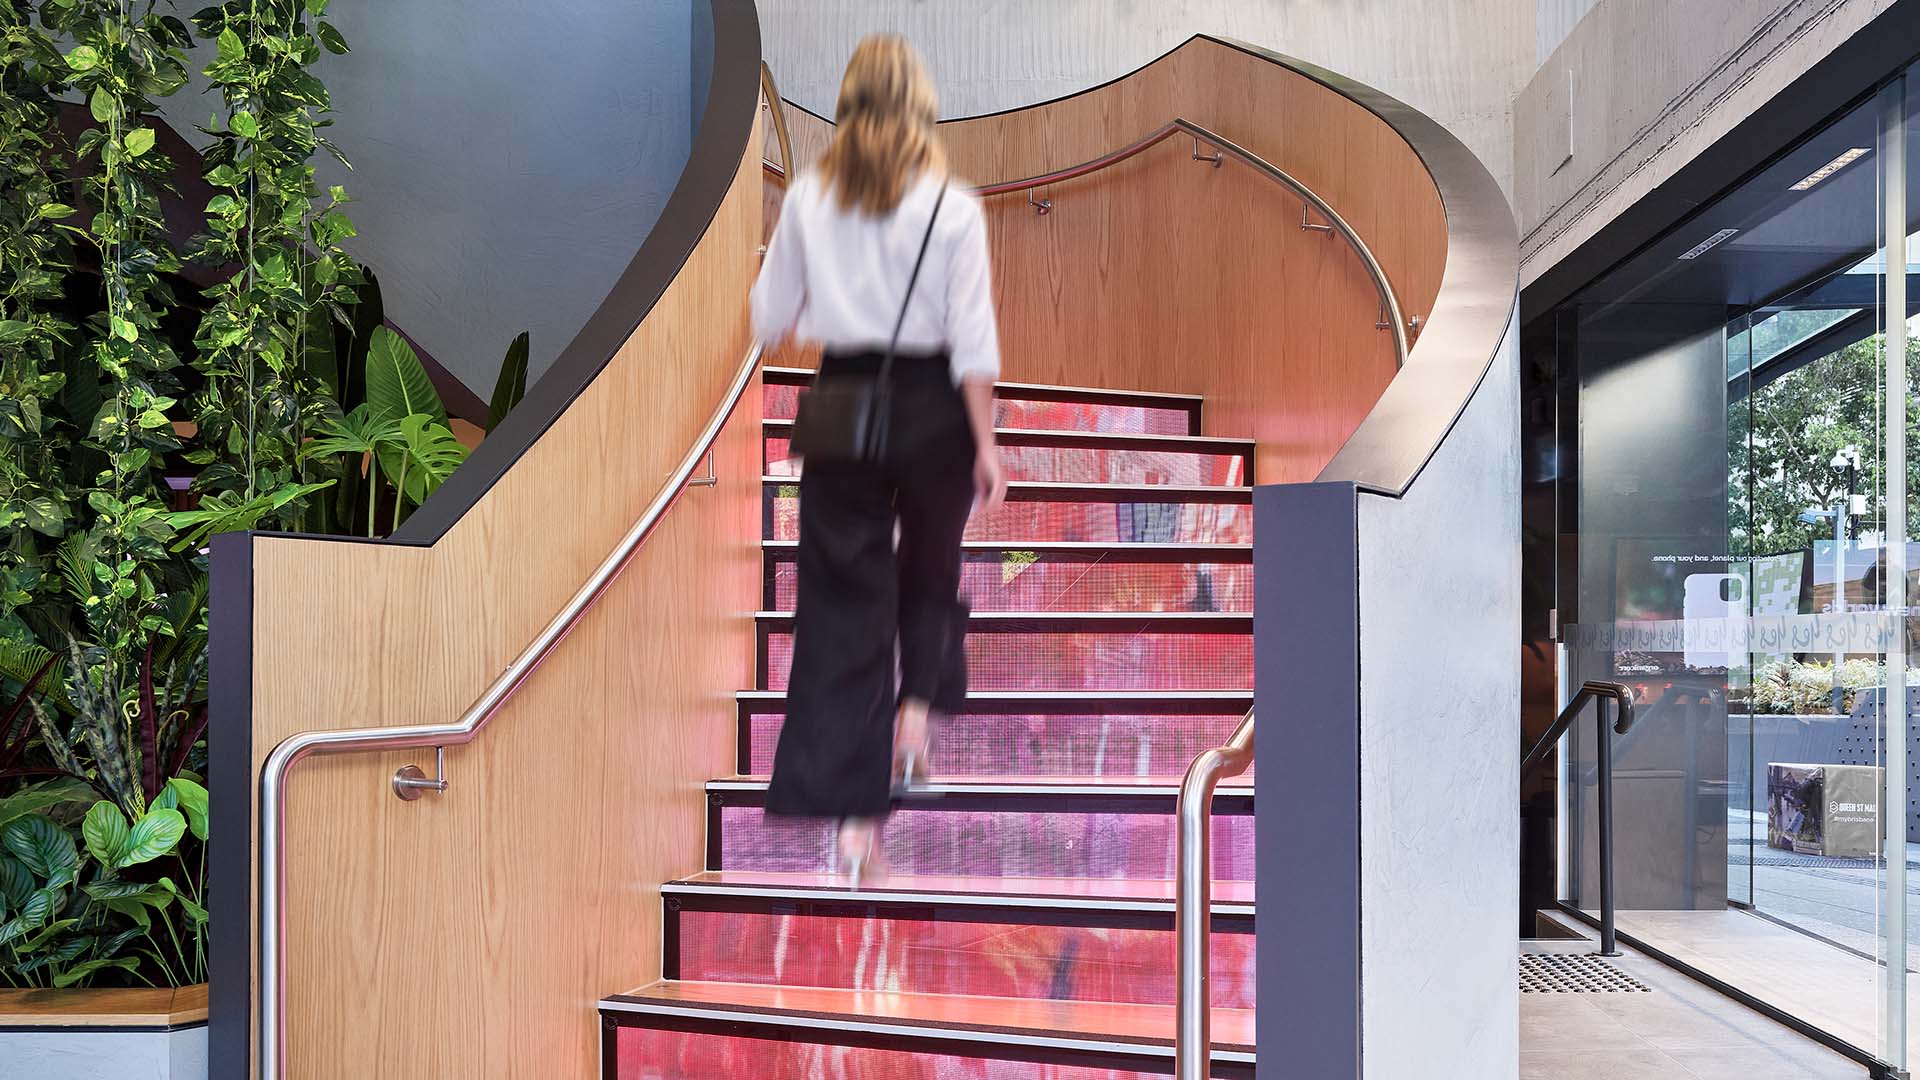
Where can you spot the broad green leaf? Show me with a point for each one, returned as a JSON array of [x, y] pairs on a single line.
[[74, 975], [16, 883], [126, 890], [244, 125], [194, 911], [124, 329], [83, 58], [397, 383], [61, 954], [41, 905], [153, 836], [231, 47], [52, 793], [45, 848], [317, 7], [101, 105], [55, 210], [331, 38], [193, 803], [45, 516], [47, 933], [511, 385], [166, 800], [105, 830], [429, 453], [139, 141]]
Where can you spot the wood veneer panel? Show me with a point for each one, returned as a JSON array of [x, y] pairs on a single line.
[[139, 1008], [469, 934], [1166, 274]]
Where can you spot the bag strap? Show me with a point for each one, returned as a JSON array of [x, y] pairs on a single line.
[[886, 362]]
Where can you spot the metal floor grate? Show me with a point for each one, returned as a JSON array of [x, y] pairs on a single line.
[[1563, 974]]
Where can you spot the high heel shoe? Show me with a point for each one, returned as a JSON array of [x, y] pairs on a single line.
[[860, 852], [910, 751]]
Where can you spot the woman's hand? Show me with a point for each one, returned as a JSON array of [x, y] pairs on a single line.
[[989, 479]]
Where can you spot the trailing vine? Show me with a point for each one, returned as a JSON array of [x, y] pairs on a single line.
[[35, 502], [291, 387], [124, 55], [266, 390]]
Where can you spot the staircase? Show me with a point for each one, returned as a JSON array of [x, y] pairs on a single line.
[[1026, 929]]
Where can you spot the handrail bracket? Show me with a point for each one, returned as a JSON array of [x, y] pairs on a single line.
[[411, 782]]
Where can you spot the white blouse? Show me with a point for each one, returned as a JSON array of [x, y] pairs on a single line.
[[836, 277]]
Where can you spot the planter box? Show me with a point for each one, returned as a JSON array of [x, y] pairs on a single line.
[[104, 1034], [1831, 810]]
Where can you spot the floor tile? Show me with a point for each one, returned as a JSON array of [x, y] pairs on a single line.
[[1603, 1065]]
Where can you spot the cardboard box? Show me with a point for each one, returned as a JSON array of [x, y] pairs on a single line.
[[1831, 810]]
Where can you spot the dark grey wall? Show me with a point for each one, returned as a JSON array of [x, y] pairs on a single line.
[[508, 159], [1307, 743]]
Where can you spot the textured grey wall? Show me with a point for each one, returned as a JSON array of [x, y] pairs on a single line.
[[1459, 61], [508, 160], [1440, 753], [1639, 88]]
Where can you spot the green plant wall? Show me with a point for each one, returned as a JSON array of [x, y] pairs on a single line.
[[139, 416]]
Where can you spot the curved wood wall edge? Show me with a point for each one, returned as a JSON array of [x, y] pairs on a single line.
[[1166, 273], [319, 633]]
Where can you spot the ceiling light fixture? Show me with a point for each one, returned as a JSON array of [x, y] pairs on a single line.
[[1830, 168], [1700, 248]]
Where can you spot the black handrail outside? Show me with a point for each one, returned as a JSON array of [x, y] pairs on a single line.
[[1603, 752]]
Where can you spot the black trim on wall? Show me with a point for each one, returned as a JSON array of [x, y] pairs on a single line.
[[1836, 83], [1307, 560], [725, 129], [230, 787]]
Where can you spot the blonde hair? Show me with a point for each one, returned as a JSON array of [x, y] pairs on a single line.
[[884, 134]]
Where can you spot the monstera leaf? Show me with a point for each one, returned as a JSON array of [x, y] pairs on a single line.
[[427, 454]]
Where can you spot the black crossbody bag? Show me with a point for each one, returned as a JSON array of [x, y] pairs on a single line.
[[844, 418]]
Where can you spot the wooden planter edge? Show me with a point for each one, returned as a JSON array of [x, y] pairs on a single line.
[[164, 1008]]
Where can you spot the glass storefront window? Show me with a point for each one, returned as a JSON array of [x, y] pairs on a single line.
[[1737, 541]]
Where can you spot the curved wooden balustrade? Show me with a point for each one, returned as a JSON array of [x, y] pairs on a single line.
[[1164, 273]]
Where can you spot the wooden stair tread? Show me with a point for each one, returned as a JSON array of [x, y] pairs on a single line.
[[1086, 1025]]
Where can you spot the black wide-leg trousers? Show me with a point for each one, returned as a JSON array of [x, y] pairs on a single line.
[[867, 608]]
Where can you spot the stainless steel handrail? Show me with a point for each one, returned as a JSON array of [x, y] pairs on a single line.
[[271, 876], [1193, 900], [1395, 319], [771, 98]]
